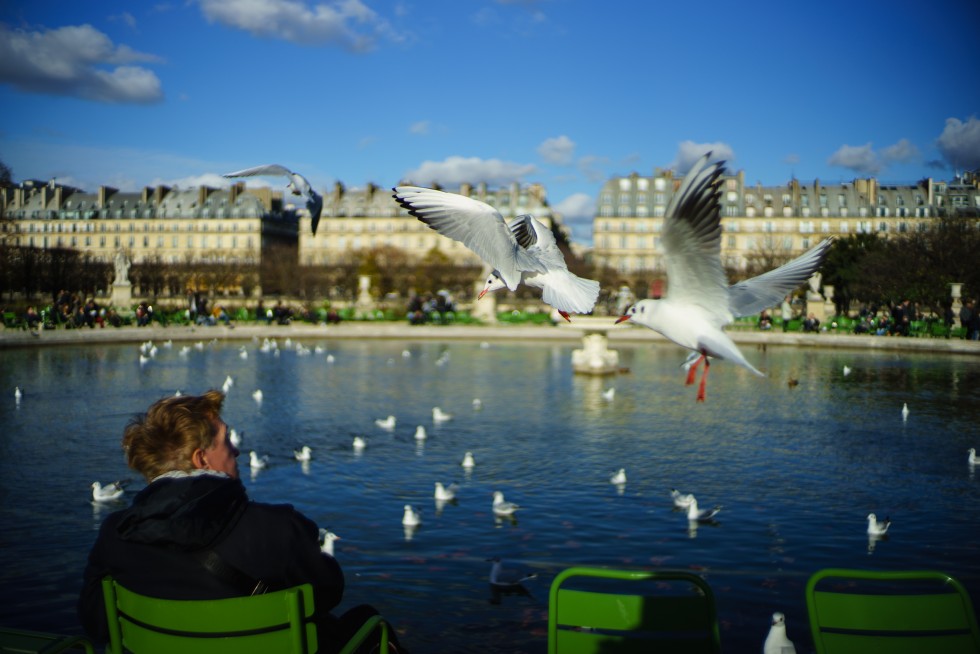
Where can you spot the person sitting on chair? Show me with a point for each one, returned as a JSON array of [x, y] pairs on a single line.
[[193, 533]]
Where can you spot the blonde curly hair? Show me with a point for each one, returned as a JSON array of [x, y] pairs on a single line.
[[165, 437]]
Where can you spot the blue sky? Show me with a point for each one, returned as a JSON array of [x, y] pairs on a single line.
[[566, 93]]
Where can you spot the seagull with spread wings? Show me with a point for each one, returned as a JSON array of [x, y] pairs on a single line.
[[297, 184], [700, 303], [524, 251]]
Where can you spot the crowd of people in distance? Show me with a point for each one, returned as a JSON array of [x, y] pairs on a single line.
[[424, 308]]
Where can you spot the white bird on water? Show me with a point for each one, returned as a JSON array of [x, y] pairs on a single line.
[[777, 642], [618, 477], [17, 395], [298, 185], [257, 462], [359, 443], [420, 434], [502, 507], [609, 394], [233, 436], [257, 396], [971, 456], [905, 411], [108, 493], [411, 517], [438, 415], [681, 500], [701, 515], [327, 539], [386, 423], [468, 461], [229, 382], [847, 371], [303, 454], [878, 527], [700, 303], [525, 251], [445, 493]]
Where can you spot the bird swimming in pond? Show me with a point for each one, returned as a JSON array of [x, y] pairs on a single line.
[[327, 539], [445, 493], [257, 396], [701, 515], [971, 456], [777, 642], [524, 251], [681, 500], [504, 582], [618, 477], [303, 454], [386, 423], [609, 394], [700, 303], [878, 527], [298, 185], [17, 394], [438, 415], [257, 462], [411, 517], [233, 436], [108, 493], [359, 443], [468, 461], [502, 507], [905, 412], [420, 434]]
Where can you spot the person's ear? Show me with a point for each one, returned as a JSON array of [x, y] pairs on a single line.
[[199, 460]]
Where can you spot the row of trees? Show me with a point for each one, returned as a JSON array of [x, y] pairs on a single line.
[[863, 268]]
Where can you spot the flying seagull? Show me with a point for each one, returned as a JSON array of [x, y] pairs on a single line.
[[525, 251], [297, 184], [700, 302]]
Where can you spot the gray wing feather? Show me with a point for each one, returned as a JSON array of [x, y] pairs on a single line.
[[268, 169], [692, 239], [473, 223], [751, 296]]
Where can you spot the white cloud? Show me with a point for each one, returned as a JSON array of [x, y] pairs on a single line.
[[901, 152], [859, 158], [559, 150], [792, 159], [420, 127], [456, 170], [348, 23], [76, 61], [688, 152], [214, 180], [960, 143], [577, 209]]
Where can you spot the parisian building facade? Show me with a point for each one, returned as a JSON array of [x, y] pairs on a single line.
[[236, 224], [781, 220]]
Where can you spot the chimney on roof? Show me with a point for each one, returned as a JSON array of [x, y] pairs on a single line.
[[58, 196], [465, 189], [158, 194], [145, 195], [338, 191], [105, 192], [234, 191]]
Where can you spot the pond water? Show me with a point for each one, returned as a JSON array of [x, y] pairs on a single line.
[[796, 468]]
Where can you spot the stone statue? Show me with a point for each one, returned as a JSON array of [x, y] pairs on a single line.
[[122, 269], [814, 283]]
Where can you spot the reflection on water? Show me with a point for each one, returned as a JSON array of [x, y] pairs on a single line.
[[797, 467]]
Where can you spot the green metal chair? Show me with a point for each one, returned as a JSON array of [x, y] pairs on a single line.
[[605, 610], [276, 622], [20, 641], [909, 612]]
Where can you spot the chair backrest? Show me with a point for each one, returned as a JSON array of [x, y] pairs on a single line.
[[606, 610], [908, 612], [274, 622]]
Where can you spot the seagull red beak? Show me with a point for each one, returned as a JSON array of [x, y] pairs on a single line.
[[621, 319], [564, 314]]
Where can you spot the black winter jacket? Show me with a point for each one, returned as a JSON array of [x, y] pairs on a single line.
[[149, 547]]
